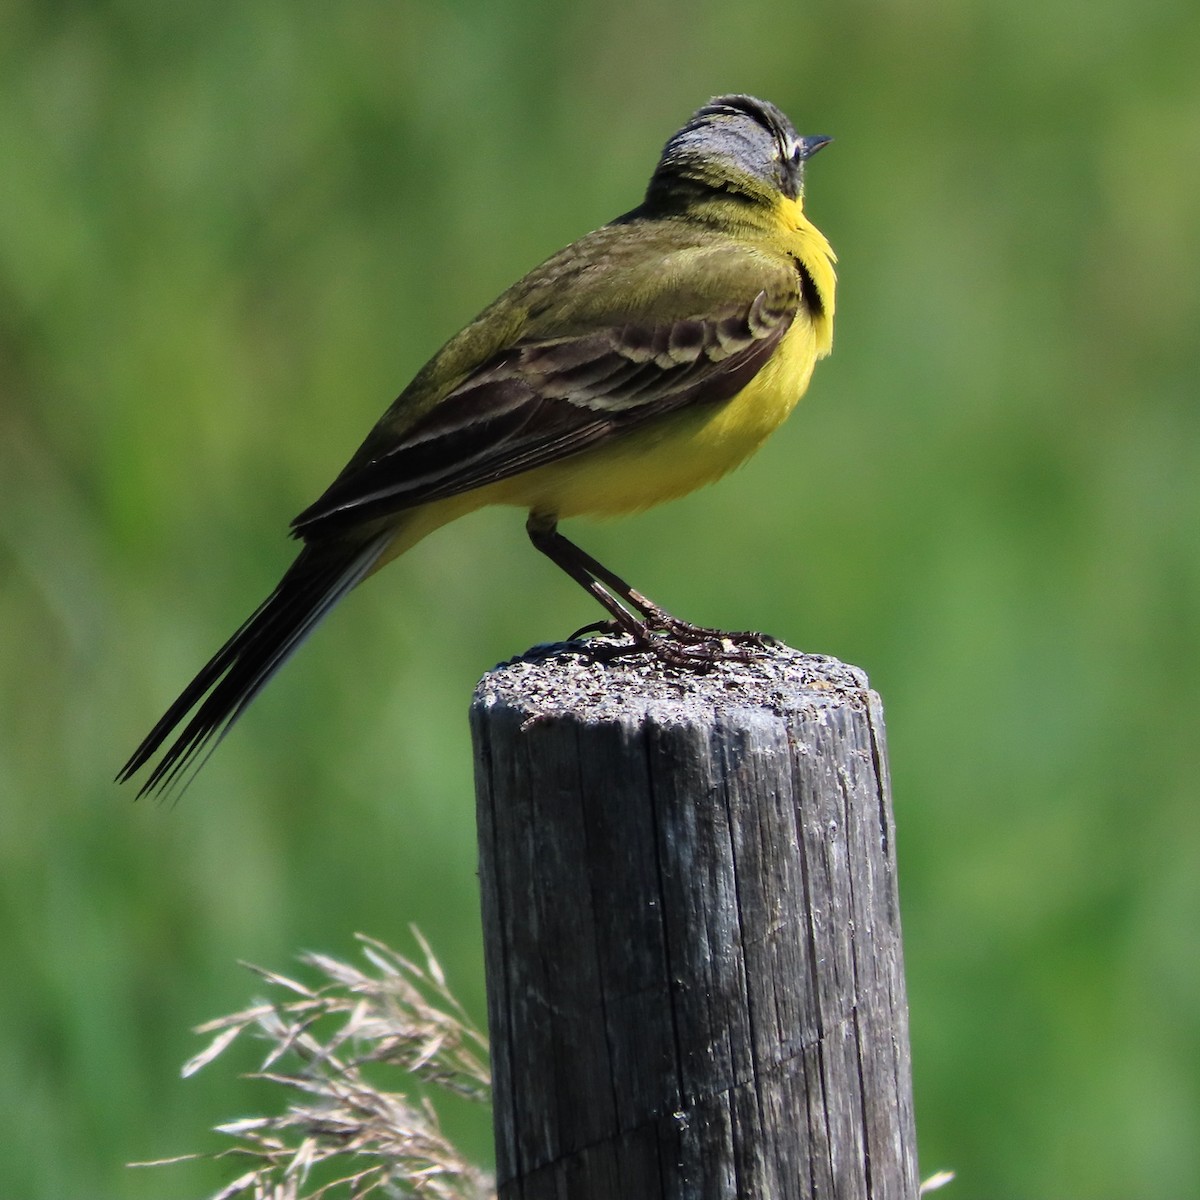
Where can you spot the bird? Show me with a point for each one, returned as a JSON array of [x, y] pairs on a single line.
[[647, 358]]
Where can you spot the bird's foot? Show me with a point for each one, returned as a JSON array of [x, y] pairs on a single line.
[[679, 643], [684, 631]]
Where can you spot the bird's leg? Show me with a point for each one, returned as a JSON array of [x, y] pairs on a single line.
[[686, 641], [581, 567]]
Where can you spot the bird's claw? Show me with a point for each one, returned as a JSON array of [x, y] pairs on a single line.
[[679, 643]]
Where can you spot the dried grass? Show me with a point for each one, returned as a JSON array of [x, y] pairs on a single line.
[[342, 1135]]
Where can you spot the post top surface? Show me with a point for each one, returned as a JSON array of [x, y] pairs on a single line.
[[585, 679]]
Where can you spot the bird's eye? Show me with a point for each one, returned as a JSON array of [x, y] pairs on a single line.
[[795, 153]]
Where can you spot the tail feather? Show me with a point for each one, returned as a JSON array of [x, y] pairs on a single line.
[[229, 681]]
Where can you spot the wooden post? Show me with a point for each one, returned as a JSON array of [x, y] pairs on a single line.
[[694, 967]]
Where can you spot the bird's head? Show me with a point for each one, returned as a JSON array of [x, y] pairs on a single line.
[[735, 145]]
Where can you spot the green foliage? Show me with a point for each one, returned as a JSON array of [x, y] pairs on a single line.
[[230, 233]]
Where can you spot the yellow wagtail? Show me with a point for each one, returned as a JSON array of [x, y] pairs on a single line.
[[649, 357]]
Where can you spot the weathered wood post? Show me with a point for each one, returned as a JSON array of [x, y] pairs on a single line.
[[694, 966]]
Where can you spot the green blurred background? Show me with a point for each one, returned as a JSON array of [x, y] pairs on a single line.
[[230, 232]]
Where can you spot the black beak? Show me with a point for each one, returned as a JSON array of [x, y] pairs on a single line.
[[810, 145]]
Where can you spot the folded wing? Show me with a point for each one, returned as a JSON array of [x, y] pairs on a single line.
[[544, 399]]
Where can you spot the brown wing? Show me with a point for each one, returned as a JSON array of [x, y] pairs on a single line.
[[543, 400]]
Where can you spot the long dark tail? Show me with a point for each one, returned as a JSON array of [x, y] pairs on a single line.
[[321, 575]]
